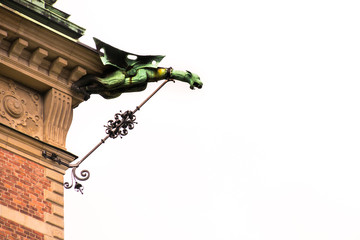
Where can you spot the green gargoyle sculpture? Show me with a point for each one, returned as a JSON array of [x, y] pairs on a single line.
[[127, 72]]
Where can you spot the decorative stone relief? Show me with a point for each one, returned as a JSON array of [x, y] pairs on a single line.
[[21, 108]]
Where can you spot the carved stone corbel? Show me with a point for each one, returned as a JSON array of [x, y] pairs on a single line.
[[57, 66], [76, 74], [58, 116], [3, 34], [37, 57], [17, 47]]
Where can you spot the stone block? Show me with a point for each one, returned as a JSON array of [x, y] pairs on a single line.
[[55, 176], [54, 220], [54, 198]]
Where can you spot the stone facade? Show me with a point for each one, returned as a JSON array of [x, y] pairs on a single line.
[[11, 230], [29, 194], [31, 190], [37, 67]]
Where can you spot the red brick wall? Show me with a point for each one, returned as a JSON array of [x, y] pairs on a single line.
[[22, 184], [10, 230]]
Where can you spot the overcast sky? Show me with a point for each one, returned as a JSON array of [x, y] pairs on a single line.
[[267, 150]]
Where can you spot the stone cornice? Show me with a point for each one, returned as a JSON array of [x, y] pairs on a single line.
[[47, 15], [41, 58]]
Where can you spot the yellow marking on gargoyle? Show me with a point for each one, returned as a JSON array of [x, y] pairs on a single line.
[[160, 72]]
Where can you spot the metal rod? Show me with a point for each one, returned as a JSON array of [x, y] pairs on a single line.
[[127, 122], [91, 151], [148, 98], [104, 139]]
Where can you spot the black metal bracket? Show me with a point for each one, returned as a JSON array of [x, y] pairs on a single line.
[[54, 157], [85, 173]]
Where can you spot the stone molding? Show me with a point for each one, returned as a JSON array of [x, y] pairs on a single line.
[[48, 15], [41, 65], [31, 149], [41, 58]]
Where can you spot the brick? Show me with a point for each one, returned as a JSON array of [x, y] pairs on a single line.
[[32, 195], [13, 230], [25, 194]]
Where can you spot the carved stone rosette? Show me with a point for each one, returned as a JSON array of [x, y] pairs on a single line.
[[21, 108]]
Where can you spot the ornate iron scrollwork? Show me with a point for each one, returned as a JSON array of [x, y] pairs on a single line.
[[85, 175], [122, 123]]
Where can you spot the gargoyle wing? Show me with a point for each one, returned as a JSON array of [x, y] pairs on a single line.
[[125, 61]]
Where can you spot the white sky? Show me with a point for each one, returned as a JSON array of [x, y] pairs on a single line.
[[267, 150]]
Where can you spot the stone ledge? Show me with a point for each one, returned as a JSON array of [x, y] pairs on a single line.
[[42, 59], [31, 148], [57, 188], [54, 220], [47, 17], [48, 238], [54, 198], [48, 230], [31, 77], [57, 210], [54, 176]]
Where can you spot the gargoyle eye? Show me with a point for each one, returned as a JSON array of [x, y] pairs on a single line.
[[132, 57]]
